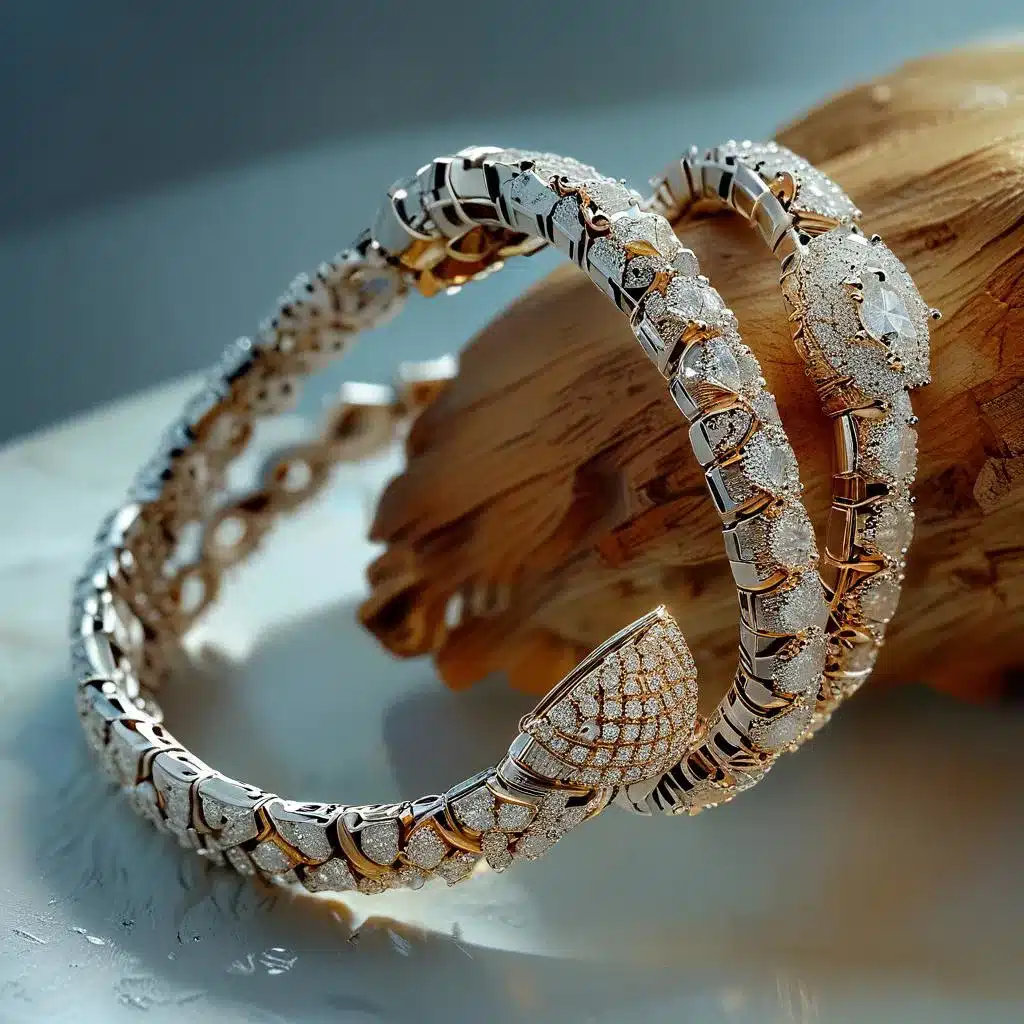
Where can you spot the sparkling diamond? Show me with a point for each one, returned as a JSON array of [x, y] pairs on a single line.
[[879, 596], [610, 678], [631, 732], [884, 314], [693, 300], [609, 731], [769, 462], [884, 443], [552, 807], [333, 876], [802, 673], [815, 193], [685, 261], [543, 729], [763, 404], [379, 841], [457, 867], [564, 717], [652, 661], [791, 538], [535, 844], [573, 816], [891, 528], [495, 847], [630, 660], [235, 824], [751, 378], [608, 258], [578, 755], [797, 608], [635, 225], [271, 858], [719, 364], [611, 196], [515, 817], [783, 730], [634, 709], [307, 837], [425, 848], [476, 809]]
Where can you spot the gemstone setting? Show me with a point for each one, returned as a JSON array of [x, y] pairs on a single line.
[[861, 312]]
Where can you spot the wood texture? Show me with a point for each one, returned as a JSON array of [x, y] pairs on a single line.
[[551, 486]]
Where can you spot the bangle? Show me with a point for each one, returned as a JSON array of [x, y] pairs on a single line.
[[861, 326], [626, 715]]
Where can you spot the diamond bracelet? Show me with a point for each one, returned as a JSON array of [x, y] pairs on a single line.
[[626, 716], [862, 328]]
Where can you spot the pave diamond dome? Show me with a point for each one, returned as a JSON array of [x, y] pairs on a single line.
[[863, 313], [645, 688]]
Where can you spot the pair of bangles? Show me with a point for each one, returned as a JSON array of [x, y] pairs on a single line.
[[623, 726]]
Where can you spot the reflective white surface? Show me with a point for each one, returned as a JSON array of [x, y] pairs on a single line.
[[874, 877]]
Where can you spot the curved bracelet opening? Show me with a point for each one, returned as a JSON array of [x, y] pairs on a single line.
[[620, 721]]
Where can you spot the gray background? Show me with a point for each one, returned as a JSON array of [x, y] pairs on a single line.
[[168, 168]]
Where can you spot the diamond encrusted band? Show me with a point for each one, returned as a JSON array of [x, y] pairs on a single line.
[[625, 716], [862, 328]]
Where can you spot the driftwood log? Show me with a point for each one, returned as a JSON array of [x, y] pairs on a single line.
[[550, 495]]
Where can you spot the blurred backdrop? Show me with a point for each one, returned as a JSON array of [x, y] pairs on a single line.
[[168, 168]]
